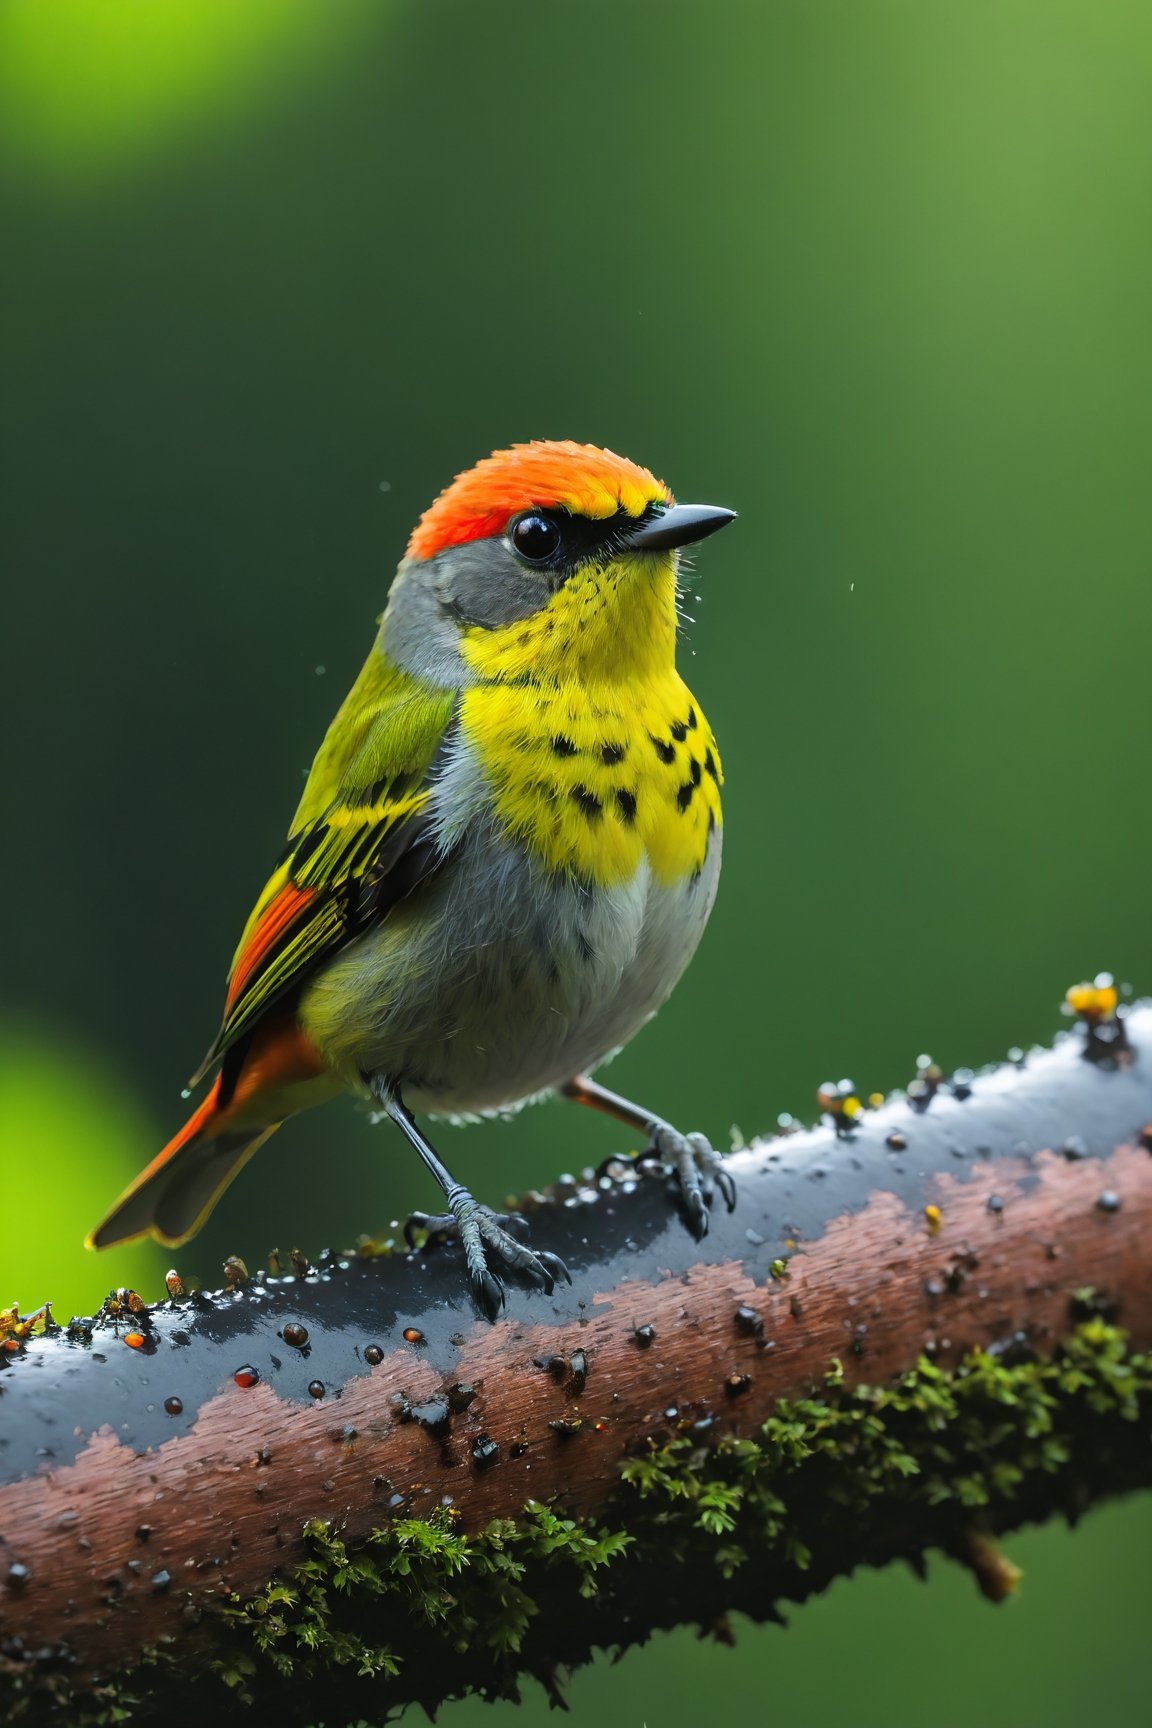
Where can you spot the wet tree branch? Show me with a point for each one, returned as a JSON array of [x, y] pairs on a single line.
[[920, 1327]]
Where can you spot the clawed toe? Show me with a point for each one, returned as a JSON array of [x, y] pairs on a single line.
[[553, 1264], [488, 1293], [697, 1167], [727, 1187], [487, 1240]]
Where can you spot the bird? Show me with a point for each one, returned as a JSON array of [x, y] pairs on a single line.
[[505, 855]]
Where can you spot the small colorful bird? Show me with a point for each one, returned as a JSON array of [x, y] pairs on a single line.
[[504, 858]]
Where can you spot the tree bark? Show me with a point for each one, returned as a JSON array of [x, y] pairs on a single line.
[[922, 1324]]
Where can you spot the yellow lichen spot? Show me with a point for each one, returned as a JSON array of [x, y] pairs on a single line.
[[1095, 1001], [14, 1327], [934, 1219], [841, 1100]]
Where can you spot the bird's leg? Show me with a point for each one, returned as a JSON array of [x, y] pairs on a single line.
[[481, 1231], [693, 1160]]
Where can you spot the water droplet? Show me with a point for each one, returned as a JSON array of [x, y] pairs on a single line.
[[373, 1354], [135, 1340], [736, 1384], [17, 1576], [995, 1203], [413, 1335], [644, 1335], [1108, 1201], [433, 1413], [295, 1334], [246, 1376], [160, 1582], [896, 1143], [174, 1406], [484, 1451], [315, 1388], [748, 1322]]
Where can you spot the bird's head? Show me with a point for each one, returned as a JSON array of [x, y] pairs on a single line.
[[550, 557]]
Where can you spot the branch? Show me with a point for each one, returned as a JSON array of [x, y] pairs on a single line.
[[336, 1491]]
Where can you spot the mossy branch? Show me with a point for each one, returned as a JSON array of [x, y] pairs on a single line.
[[335, 1491]]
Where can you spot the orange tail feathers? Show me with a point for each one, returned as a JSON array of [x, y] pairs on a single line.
[[172, 1197]]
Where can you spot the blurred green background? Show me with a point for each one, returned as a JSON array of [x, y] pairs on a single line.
[[878, 274]]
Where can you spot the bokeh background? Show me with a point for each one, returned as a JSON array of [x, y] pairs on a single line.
[[875, 272]]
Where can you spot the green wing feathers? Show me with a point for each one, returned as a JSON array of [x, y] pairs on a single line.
[[356, 846]]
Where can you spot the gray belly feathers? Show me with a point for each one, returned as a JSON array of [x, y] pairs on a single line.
[[507, 981]]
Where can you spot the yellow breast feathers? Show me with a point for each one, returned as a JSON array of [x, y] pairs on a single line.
[[590, 784]]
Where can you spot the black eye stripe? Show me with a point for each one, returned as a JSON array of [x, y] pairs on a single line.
[[558, 541]]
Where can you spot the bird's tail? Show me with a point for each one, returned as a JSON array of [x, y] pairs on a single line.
[[173, 1196]]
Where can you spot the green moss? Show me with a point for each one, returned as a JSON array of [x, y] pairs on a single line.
[[701, 1523], [471, 1590], [936, 1452]]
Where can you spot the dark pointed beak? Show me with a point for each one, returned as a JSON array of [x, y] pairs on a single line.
[[679, 525]]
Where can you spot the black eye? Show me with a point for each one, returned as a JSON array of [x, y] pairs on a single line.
[[535, 537]]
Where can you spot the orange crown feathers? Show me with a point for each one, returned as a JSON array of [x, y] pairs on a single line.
[[548, 473]]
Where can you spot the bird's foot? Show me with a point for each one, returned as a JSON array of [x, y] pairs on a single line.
[[487, 1240], [698, 1169]]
